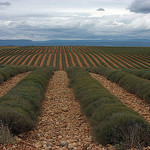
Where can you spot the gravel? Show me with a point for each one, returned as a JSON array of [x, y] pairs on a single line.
[[61, 126], [10, 83], [130, 100]]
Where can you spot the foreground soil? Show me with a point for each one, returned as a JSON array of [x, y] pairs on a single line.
[[130, 100], [7, 85], [62, 126]]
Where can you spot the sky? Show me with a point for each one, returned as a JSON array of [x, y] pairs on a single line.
[[41, 20]]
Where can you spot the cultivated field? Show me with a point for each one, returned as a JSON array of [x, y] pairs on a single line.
[[75, 97], [65, 56]]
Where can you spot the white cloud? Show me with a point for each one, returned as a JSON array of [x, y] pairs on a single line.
[[69, 19], [118, 23]]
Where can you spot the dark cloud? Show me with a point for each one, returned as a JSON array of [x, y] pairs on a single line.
[[43, 21], [140, 6], [5, 3], [100, 9]]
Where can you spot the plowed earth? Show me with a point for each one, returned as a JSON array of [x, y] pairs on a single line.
[[83, 55]]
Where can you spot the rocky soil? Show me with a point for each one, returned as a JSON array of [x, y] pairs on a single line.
[[130, 100], [6, 86], [62, 125]]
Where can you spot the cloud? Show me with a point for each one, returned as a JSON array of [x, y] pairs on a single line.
[[5, 3], [76, 27], [100, 9], [118, 23], [45, 20], [140, 6]]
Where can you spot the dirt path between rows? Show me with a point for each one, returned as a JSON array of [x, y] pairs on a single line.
[[66, 59], [43, 59], [72, 60], [121, 60], [60, 60], [54, 61], [103, 60], [78, 60], [62, 126], [95, 58], [7, 85], [31, 60], [35, 63], [127, 59], [90, 59], [19, 60], [130, 100], [49, 58], [14, 60], [136, 60], [83, 58], [116, 61], [9, 60], [110, 61], [25, 60]]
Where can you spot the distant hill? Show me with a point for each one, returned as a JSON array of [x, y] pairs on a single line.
[[16, 42], [126, 43]]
